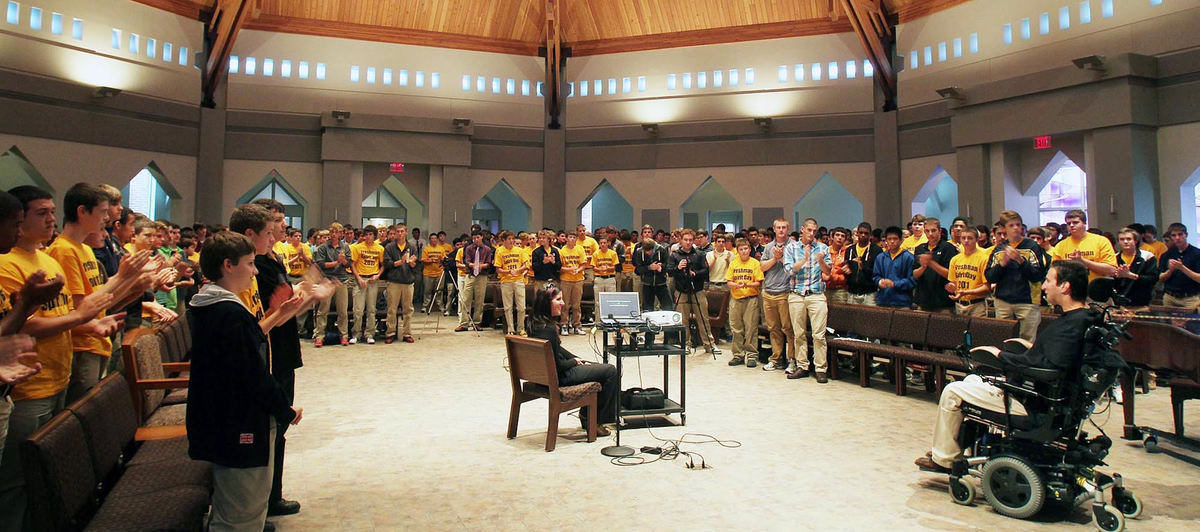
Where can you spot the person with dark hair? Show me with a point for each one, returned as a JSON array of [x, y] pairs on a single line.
[[1180, 267], [860, 258], [401, 270], [893, 273], [511, 264], [1016, 266], [235, 407], [1137, 271], [1092, 250], [476, 259], [956, 229], [688, 266], [1150, 241], [932, 270], [546, 313], [366, 260], [1059, 346]]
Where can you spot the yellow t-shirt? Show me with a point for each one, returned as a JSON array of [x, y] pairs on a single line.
[[605, 262], [5, 303], [529, 260], [1157, 248], [367, 258], [129, 248], [745, 272], [82, 276], [966, 271], [252, 300], [590, 246], [627, 266], [288, 254], [458, 262], [912, 242], [435, 253], [1092, 247], [571, 258], [54, 352], [509, 258]]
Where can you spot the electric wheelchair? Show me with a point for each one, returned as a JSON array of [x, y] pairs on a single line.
[[1024, 461]]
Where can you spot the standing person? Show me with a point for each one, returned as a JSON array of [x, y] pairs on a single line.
[[893, 272], [1137, 272], [511, 264], [108, 253], [860, 258], [836, 288], [1091, 250], [545, 260], [690, 270], [590, 246], [401, 270], [1017, 265], [807, 262], [968, 286], [571, 274], [650, 262], [477, 260], [775, 290], [956, 229], [235, 407], [627, 279], [916, 235], [332, 258], [1180, 267], [932, 270], [1150, 241], [743, 276], [366, 261], [719, 260], [605, 262], [297, 258], [432, 257]]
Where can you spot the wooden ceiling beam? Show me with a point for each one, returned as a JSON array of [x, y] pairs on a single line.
[[554, 65], [752, 32], [370, 32], [877, 35], [228, 19]]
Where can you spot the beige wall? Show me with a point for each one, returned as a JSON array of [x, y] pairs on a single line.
[[241, 175], [915, 172], [774, 186], [63, 164], [1178, 159], [528, 185]]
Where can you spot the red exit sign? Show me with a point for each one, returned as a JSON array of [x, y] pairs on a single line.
[[396, 168], [1041, 143]]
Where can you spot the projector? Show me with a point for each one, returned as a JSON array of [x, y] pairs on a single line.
[[663, 318]]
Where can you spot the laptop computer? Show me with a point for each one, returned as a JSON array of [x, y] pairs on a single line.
[[619, 308]]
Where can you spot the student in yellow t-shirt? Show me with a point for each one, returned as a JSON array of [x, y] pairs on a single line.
[[432, 256], [590, 246], [744, 278], [968, 285], [917, 237], [511, 263], [604, 266], [1150, 241], [296, 256], [574, 262], [366, 263], [1093, 250]]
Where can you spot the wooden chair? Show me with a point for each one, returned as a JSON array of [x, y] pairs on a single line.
[[142, 351], [534, 375], [718, 312]]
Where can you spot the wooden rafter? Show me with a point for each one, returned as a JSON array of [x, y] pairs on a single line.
[[229, 16], [877, 33], [554, 64]]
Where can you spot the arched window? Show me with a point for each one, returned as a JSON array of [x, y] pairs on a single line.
[[145, 194], [275, 187], [382, 209], [606, 206], [1066, 190], [709, 205]]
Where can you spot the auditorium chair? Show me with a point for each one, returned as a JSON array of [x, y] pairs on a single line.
[[587, 303], [718, 313], [534, 375], [143, 354]]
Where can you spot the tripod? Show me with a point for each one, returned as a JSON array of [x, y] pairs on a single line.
[[703, 327]]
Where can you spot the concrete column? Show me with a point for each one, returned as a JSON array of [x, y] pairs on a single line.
[[210, 167], [554, 178], [974, 184], [436, 188], [455, 216], [341, 192], [1123, 169], [889, 199]]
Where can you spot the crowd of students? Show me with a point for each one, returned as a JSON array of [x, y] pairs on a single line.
[[254, 288]]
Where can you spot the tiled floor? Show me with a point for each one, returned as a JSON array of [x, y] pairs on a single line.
[[411, 436]]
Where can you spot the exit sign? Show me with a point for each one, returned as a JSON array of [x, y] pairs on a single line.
[[396, 168], [1041, 143]]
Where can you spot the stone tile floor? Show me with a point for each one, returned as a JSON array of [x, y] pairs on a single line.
[[411, 436]]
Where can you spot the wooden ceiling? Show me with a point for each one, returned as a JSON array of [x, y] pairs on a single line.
[[588, 26]]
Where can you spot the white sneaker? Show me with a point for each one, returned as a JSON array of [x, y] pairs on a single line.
[[371, 340], [770, 366], [791, 367], [565, 331], [353, 340], [1118, 395], [579, 331]]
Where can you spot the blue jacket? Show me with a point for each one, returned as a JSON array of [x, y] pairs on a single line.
[[899, 270]]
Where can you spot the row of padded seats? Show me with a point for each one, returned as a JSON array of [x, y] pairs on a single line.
[[85, 469], [156, 365], [908, 337]]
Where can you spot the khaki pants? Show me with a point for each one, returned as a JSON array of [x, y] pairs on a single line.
[[1028, 315], [743, 321], [470, 300], [779, 322], [431, 291], [340, 294], [838, 295], [399, 295], [512, 294], [6, 408], [977, 309], [365, 300], [572, 292], [971, 390], [602, 284], [695, 306], [1192, 302], [810, 312], [239, 499], [861, 299]]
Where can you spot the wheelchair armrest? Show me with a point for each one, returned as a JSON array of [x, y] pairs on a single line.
[[1017, 345], [986, 356]]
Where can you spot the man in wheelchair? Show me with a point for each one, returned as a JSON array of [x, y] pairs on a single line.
[[1024, 415]]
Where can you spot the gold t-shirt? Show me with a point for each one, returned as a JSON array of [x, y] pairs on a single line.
[[54, 352], [83, 276]]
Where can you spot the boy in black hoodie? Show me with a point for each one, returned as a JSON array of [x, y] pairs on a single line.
[[232, 395]]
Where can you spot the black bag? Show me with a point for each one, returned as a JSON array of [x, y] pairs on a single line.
[[643, 399]]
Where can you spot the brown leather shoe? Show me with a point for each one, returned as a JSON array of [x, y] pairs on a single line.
[[926, 463], [602, 431], [798, 374], [821, 378], [460, 328]]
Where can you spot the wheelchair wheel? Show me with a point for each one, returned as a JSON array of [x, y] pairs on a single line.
[[1013, 487], [1109, 520], [962, 491], [1129, 504]]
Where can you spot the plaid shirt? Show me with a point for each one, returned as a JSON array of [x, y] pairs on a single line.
[[807, 280]]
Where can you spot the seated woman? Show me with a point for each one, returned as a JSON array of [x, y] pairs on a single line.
[[547, 307]]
